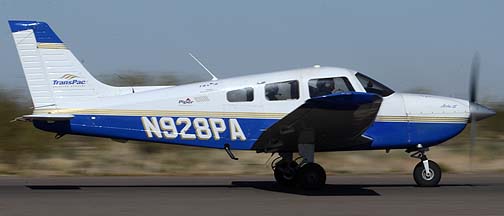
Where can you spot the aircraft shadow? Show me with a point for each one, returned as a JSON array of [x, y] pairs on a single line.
[[328, 190], [333, 189]]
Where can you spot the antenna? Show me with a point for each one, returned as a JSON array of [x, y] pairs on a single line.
[[203, 66], [128, 81]]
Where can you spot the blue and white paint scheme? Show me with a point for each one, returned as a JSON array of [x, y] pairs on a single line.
[[234, 113]]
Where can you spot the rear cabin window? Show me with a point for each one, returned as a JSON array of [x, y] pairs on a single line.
[[287, 90], [327, 86], [241, 95]]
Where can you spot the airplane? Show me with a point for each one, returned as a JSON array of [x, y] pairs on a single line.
[[302, 111]]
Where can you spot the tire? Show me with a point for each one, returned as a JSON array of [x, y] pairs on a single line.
[[421, 178], [285, 172], [311, 176]]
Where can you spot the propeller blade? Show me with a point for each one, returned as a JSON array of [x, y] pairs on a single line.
[[473, 92], [473, 85], [472, 142]]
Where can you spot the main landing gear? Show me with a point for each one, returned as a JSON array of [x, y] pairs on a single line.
[[305, 175], [427, 173]]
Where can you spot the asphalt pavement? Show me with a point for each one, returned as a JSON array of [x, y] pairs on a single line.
[[475, 194]]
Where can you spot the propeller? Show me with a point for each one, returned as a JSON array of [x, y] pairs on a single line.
[[473, 94]]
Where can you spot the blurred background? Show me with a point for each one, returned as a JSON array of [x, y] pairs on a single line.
[[412, 46]]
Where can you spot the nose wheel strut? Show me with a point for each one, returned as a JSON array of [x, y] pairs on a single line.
[[426, 173]]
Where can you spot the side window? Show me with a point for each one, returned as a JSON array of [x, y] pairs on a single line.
[[327, 86], [287, 90], [373, 86], [240, 95]]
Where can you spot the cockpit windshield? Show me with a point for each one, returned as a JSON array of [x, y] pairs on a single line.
[[373, 86]]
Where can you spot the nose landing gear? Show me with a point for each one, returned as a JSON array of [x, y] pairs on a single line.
[[427, 173]]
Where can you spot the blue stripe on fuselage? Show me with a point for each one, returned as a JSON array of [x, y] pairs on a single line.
[[131, 127], [385, 135]]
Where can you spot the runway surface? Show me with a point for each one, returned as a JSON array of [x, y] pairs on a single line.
[[249, 195]]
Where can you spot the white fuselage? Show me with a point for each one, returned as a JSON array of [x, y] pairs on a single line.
[[402, 118]]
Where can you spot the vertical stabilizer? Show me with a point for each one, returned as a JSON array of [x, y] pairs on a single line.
[[54, 75]]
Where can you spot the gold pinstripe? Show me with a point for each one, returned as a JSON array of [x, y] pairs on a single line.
[[421, 119], [261, 115], [164, 113], [51, 46]]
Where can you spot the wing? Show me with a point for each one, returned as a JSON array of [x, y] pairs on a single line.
[[334, 122]]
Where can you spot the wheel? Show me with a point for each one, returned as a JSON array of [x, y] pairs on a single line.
[[423, 179], [285, 172], [311, 176]]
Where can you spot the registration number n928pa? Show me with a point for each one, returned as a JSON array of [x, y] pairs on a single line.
[[204, 128]]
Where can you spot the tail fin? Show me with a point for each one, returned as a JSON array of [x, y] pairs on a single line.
[[54, 75]]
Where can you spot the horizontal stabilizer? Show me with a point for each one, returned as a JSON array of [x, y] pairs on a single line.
[[48, 117]]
